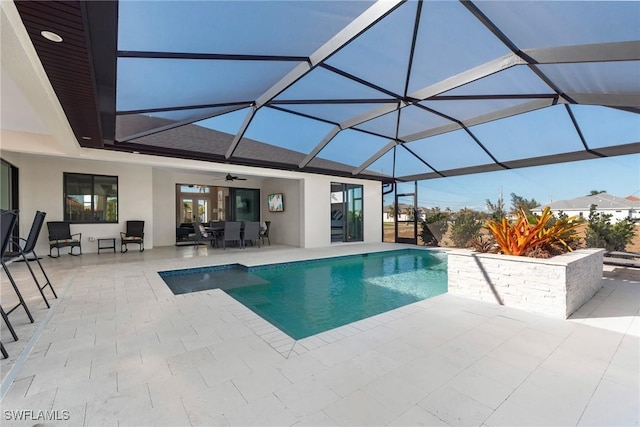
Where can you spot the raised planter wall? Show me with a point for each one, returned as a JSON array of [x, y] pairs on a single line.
[[556, 286]]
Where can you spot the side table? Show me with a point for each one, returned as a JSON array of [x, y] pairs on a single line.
[[109, 243]]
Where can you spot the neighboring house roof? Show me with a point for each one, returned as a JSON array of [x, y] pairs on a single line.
[[602, 201], [633, 198]]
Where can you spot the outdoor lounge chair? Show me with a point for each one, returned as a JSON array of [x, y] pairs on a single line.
[[60, 237], [251, 233], [29, 248], [134, 234], [8, 222]]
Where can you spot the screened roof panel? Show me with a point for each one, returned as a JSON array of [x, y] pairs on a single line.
[[414, 119], [131, 124], [336, 113], [232, 27], [313, 70], [352, 147], [381, 55], [596, 77], [385, 125], [384, 165], [145, 83], [408, 164], [228, 123], [450, 150], [522, 136], [324, 84], [294, 132], [532, 24], [450, 41], [467, 109], [604, 127], [516, 80]]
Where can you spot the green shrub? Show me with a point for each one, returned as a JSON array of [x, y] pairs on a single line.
[[601, 233], [433, 227], [466, 226]]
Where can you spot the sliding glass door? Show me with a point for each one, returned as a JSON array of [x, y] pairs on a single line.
[[346, 212]]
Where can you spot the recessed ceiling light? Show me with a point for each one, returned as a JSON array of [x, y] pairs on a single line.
[[86, 138], [51, 36]]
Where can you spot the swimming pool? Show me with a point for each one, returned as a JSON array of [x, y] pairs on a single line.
[[308, 297]]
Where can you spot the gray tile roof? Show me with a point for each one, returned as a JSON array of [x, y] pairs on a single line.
[[602, 200]]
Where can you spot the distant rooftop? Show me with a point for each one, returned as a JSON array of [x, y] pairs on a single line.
[[602, 200]]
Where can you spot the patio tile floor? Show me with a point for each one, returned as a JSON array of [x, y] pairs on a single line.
[[119, 349]]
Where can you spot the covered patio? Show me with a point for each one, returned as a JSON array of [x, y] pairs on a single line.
[[118, 348], [298, 99]]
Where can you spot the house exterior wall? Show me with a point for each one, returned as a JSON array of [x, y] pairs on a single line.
[[317, 209], [146, 191], [285, 226], [41, 188]]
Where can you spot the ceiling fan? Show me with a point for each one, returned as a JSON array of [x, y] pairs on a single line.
[[230, 178]]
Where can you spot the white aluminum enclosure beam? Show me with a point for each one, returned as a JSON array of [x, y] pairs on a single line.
[[320, 146], [600, 52], [477, 73], [380, 111], [240, 134], [183, 122], [500, 114], [616, 150], [607, 99], [358, 26], [375, 157]]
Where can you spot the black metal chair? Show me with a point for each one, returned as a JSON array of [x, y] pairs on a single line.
[[265, 233], [251, 233], [60, 237], [29, 248], [231, 233], [8, 222], [134, 234]]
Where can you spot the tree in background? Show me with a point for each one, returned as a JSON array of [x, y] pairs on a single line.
[[595, 192], [518, 202], [434, 226], [601, 233], [497, 210], [465, 227]]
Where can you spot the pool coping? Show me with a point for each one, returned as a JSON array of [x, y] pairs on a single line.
[[286, 345]]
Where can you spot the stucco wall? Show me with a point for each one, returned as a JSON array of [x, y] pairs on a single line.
[[40, 188], [147, 192], [317, 208], [285, 226]]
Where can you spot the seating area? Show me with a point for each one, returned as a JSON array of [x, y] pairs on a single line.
[[220, 234]]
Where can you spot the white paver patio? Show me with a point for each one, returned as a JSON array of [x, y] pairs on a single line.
[[119, 349]]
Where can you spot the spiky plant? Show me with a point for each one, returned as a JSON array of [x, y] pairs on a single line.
[[547, 234]]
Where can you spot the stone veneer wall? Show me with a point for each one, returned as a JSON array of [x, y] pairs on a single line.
[[556, 286]]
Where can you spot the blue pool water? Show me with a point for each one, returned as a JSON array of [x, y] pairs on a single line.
[[308, 297]]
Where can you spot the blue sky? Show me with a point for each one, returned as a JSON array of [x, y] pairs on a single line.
[[619, 176]]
